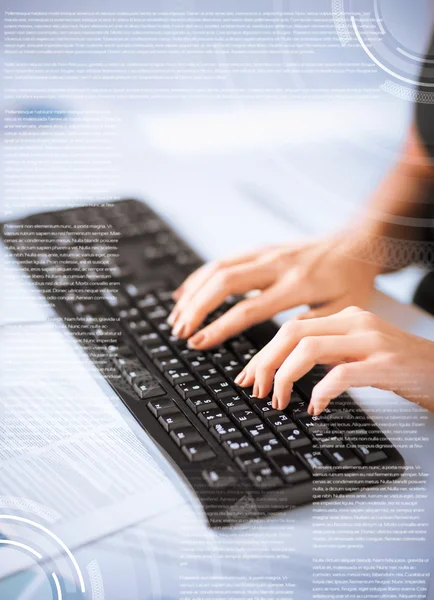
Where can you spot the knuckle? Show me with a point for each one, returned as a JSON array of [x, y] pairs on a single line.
[[215, 265], [290, 328], [246, 311], [340, 375], [378, 339], [223, 277], [366, 320], [352, 310], [308, 345]]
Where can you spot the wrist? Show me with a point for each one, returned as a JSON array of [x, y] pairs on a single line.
[[364, 245]]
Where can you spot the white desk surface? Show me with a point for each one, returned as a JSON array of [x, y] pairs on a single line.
[[218, 220]]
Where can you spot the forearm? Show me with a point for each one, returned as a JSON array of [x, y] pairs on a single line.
[[392, 230]]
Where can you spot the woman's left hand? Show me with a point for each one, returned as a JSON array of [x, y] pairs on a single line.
[[364, 349]]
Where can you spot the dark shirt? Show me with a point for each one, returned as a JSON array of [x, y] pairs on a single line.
[[424, 295], [425, 103]]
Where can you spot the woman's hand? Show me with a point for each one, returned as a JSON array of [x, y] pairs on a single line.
[[321, 273], [365, 350]]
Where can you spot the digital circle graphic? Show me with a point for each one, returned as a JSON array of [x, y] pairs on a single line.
[[374, 36], [30, 537]]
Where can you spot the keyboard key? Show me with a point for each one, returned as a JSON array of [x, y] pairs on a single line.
[[220, 478], [281, 423], [176, 376], [165, 297], [370, 455], [115, 299], [245, 418], [342, 419], [221, 389], [147, 302], [128, 314], [264, 478], [157, 314], [357, 437], [258, 432], [164, 406], [233, 403], [294, 438], [271, 446], [213, 416], [314, 459], [237, 447], [167, 363], [161, 351], [199, 365], [185, 435], [139, 327], [147, 388], [290, 469], [313, 424], [162, 327], [173, 420], [199, 404], [132, 373], [297, 408], [246, 357], [177, 342], [151, 339], [119, 350], [249, 460], [232, 369], [208, 375], [225, 431], [242, 344], [190, 390], [263, 407], [342, 456], [328, 439], [198, 452], [221, 355], [126, 364], [141, 291], [191, 356]]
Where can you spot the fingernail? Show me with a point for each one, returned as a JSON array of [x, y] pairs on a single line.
[[239, 378], [317, 412], [274, 402], [172, 317], [177, 329], [255, 391], [196, 340], [311, 409]]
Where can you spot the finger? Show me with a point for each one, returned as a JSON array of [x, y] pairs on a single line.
[[176, 294], [317, 350], [243, 315], [194, 281], [270, 358], [338, 380], [234, 280], [325, 310]]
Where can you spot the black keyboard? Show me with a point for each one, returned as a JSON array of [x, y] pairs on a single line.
[[242, 458]]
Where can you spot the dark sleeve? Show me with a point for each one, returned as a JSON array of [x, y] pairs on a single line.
[[425, 102]]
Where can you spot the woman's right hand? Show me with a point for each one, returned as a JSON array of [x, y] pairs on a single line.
[[322, 273]]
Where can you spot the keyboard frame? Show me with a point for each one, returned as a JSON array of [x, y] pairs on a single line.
[[229, 506]]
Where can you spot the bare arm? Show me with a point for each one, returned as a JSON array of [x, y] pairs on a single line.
[[397, 210]]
